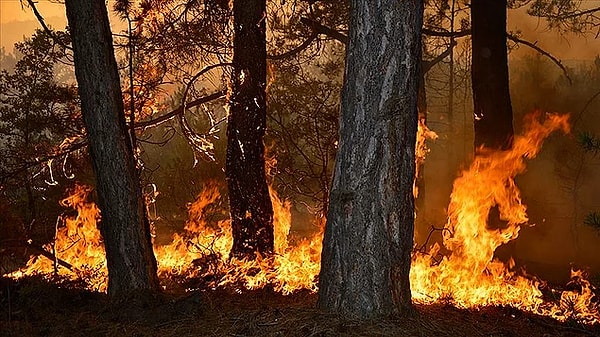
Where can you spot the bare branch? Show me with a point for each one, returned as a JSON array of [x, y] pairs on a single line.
[[179, 110], [321, 29], [427, 65], [40, 19], [438, 33], [184, 105], [541, 51], [296, 50]]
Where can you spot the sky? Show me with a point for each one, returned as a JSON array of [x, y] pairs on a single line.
[[17, 22]]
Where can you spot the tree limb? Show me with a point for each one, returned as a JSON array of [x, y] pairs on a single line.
[[40, 19], [179, 110], [39, 249], [572, 14], [541, 51], [427, 65], [296, 50], [321, 29]]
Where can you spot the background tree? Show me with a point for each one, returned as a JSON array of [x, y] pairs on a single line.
[[38, 110], [125, 228], [368, 237], [489, 69]]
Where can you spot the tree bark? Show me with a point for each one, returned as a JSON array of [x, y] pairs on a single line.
[[368, 239], [124, 226], [489, 75], [249, 201]]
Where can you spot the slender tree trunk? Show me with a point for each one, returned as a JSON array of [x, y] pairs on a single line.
[[249, 201], [369, 232], [124, 227], [489, 74]]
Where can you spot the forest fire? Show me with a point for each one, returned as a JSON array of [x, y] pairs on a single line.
[[203, 251], [200, 252], [77, 247], [467, 275], [470, 276]]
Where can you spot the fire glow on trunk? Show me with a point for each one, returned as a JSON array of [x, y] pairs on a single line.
[[467, 277]]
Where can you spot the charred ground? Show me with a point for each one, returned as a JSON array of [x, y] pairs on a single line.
[[35, 307]]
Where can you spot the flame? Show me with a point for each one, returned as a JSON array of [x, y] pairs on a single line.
[[77, 242], [461, 271], [469, 276], [421, 150], [294, 266]]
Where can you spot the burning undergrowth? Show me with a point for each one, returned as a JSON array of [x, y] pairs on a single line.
[[467, 275]]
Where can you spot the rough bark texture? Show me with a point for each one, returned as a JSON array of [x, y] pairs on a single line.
[[124, 226], [491, 97], [369, 232], [249, 201]]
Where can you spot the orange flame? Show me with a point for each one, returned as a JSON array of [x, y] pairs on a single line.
[[294, 266], [77, 243], [468, 276], [421, 150]]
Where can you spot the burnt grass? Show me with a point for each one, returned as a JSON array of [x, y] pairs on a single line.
[[36, 307]]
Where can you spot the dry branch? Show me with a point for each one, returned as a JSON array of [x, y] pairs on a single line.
[[179, 110], [40, 19], [321, 29], [296, 50], [39, 249], [541, 51]]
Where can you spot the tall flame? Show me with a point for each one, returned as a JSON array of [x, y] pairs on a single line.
[[470, 276]]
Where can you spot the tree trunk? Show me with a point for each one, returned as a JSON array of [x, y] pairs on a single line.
[[368, 239], [249, 201], [124, 227], [489, 75]]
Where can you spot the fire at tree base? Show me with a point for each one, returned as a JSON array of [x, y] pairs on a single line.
[[467, 277]]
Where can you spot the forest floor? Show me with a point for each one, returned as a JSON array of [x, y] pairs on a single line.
[[32, 307]]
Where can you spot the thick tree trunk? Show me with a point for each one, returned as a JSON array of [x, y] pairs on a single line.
[[249, 201], [489, 75], [369, 232], [124, 227]]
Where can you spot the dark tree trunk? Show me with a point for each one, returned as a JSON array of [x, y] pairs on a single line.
[[249, 201], [489, 74], [124, 227], [369, 232]]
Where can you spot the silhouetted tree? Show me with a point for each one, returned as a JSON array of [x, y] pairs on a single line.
[[489, 69], [124, 227], [368, 239], [37, 112]]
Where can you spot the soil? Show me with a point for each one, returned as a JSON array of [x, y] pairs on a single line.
[[36, 307]]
